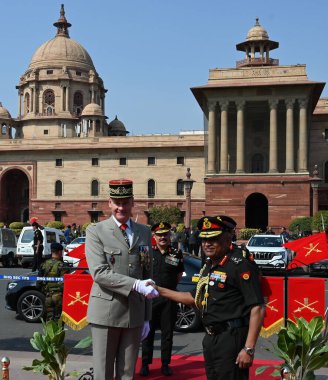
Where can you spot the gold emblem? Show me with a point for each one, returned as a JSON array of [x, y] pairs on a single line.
[[207, 223], [306, 305], [78, 298], [268, 304], [218, 218], [161, 225], [311, 249]]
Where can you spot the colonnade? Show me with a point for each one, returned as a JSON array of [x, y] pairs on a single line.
[[273, 137]]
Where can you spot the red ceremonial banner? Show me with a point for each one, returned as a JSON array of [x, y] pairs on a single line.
[[273, 292], [306, 298], [79, 253], [76, 294]]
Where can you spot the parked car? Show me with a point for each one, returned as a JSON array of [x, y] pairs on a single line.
[[26, 298], [320, 268], [8, 247], [268, 251], [25, 243]]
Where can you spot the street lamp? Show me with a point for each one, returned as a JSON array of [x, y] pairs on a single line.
[[188, 183], [315, 180]]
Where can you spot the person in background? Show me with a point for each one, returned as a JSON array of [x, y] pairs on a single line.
[[53, 267], [229, 296], [68, 234], [75, 232], [119, 255], [284, 233], [37, 246], [269, 231], [193, 241], [168, 270], [174, 237]]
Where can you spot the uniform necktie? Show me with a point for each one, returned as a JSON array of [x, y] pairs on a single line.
[[123, 227]]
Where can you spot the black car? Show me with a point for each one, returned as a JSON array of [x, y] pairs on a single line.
[[27, 299]]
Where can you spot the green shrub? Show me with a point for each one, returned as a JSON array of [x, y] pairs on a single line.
[[193, 223], [247, 233], [58, 225], [317, 220], [304, 222], [16, 225]]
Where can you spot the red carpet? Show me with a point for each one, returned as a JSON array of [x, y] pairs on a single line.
[[192, 367]]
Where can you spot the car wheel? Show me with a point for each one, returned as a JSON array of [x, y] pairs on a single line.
[[31, 306], [8, 260], [188, 318]]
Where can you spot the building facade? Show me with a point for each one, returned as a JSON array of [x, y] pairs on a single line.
[[265, 129]]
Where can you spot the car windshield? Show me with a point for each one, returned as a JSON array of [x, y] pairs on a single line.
[[79, 240], [265, 241], [28, 236]]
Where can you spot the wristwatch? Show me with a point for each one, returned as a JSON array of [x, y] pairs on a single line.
[[250, 351]]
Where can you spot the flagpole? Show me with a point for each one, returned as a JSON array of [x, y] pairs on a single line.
[[286, 291]]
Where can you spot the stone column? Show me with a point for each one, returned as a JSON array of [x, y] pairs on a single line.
[[224, 138], [19, 103], [273, 153], [240, 168], [303, 140], [290, 167], [67, 98], [211, 149]]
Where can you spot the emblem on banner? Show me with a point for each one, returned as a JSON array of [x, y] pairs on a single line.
[[78, 298], [312, 248], [306, 305]]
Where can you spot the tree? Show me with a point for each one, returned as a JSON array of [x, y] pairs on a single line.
[[168, 214]]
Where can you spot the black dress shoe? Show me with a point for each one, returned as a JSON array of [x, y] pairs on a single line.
[[166, 370], [144, 371]]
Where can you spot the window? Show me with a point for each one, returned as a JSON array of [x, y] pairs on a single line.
[[46, 131], [123, 161], [50, 72], [78, 103], [94, 188], [180, 161], [59, 162], [4, 129], [94, 217], [95, 161], [78, 73], [27, 103], [180, 187], [326, 134], [326, 172], [97, 125], [151, 188], [49, 102], [151, 161], [58, 188], [257, 163]]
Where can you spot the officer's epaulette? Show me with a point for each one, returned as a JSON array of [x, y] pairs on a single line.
[[237, 256]]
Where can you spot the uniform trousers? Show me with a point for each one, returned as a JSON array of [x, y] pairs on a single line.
[[37, 258], [116, 350], [220, 354], [164, 313]]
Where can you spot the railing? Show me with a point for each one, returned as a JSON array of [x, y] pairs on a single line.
[[258, 62]]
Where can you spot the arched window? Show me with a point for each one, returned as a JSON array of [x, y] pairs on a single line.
[[78, 103], [94, 188], [180, 187], [257, 163], [326, 172], [49, 102], [97, 125], [151, 188], [27, 103], [58, 188], [3, 129]]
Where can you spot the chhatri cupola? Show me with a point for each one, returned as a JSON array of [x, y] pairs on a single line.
[[61, 80], [257, 48]]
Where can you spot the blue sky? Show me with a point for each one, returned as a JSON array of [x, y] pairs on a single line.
[[150, 52]]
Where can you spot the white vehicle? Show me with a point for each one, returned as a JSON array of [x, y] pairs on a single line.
[[25, 242], [268, 251], [74, 244], [8, 247]]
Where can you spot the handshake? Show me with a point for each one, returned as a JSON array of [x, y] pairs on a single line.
[[145, 288]]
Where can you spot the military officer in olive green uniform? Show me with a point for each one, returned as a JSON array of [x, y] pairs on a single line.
[[53, 267], [119, 256]]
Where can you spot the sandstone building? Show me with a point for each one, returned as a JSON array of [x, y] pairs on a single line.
[[266, 128]]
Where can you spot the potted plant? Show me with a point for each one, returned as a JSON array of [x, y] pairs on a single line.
[[303, 347], [53, 350]]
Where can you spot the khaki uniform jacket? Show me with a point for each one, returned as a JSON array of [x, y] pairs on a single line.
[[114, 268]]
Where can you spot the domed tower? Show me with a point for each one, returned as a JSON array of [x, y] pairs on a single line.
[[257, 41], [117, 128], [92, 121], [60, 81], [5, 123]]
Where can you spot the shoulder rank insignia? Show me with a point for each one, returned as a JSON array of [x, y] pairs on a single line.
[[245, 275]]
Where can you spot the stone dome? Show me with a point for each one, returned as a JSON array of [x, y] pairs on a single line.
[[92, 109], [116, 125], [4, 113], [257, 33], [61, 50]]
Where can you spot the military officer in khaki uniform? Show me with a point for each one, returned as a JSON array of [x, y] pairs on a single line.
[[119, 256]]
